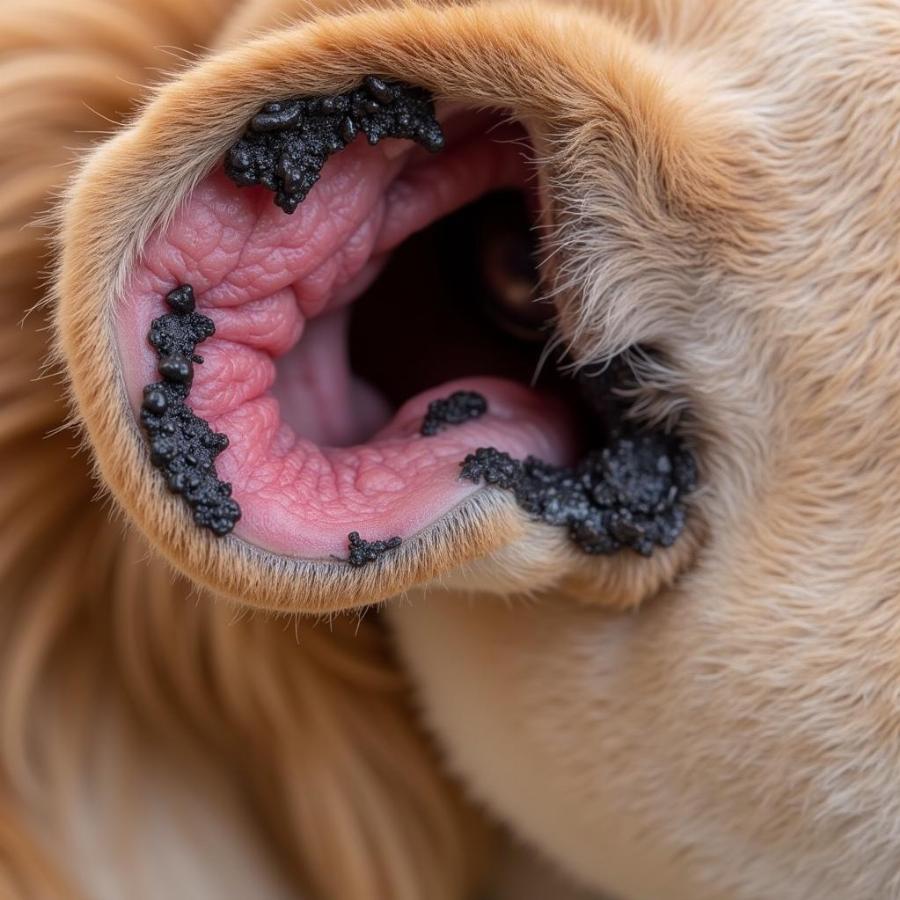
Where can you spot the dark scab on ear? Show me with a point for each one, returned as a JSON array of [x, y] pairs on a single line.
[[458, 408], [627, 491], [288, 141], [362, 551], [628, 494], [181, 299], [182, 445]]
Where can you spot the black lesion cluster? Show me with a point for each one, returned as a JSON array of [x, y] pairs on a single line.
[[629, 494], [458, 408], [288, 141], [362, 551], [182, 445]]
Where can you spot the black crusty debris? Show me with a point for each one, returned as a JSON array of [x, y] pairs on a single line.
[[362, 552], [459, 407], [182, 445], [288, 142], [629, 494]]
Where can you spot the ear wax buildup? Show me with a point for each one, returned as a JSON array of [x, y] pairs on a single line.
[[459, 407], [629, 494], [362, 552], [288, 142], [182, 445]]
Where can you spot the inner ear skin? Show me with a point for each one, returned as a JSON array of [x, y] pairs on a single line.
[[138, 178]]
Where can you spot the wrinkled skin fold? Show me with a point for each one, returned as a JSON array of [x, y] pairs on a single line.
[[714, 181]]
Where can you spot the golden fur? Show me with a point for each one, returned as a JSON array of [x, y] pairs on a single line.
[[720, 180]]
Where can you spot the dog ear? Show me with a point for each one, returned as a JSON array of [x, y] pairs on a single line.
[[644, 205]]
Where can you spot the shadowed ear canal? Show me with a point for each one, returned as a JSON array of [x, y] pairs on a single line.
[[634, 186]]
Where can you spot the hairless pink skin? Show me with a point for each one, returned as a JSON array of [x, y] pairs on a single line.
[[315, 452]]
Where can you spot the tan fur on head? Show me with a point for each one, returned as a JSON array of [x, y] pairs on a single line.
[[720, 182]]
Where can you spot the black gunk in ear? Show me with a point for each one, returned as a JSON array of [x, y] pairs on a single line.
[[288, 142], [182, 445]]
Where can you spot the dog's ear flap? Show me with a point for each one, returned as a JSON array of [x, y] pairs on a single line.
[[635, 163]]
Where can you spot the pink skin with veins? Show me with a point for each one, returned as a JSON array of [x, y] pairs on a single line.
[[269, 280]]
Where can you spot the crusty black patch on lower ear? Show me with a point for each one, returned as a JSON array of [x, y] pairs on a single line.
[[182, 445], [362, 552], [630, 494], [458, 408], [288, 141]]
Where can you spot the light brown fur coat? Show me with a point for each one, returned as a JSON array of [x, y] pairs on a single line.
[[720, 180]]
